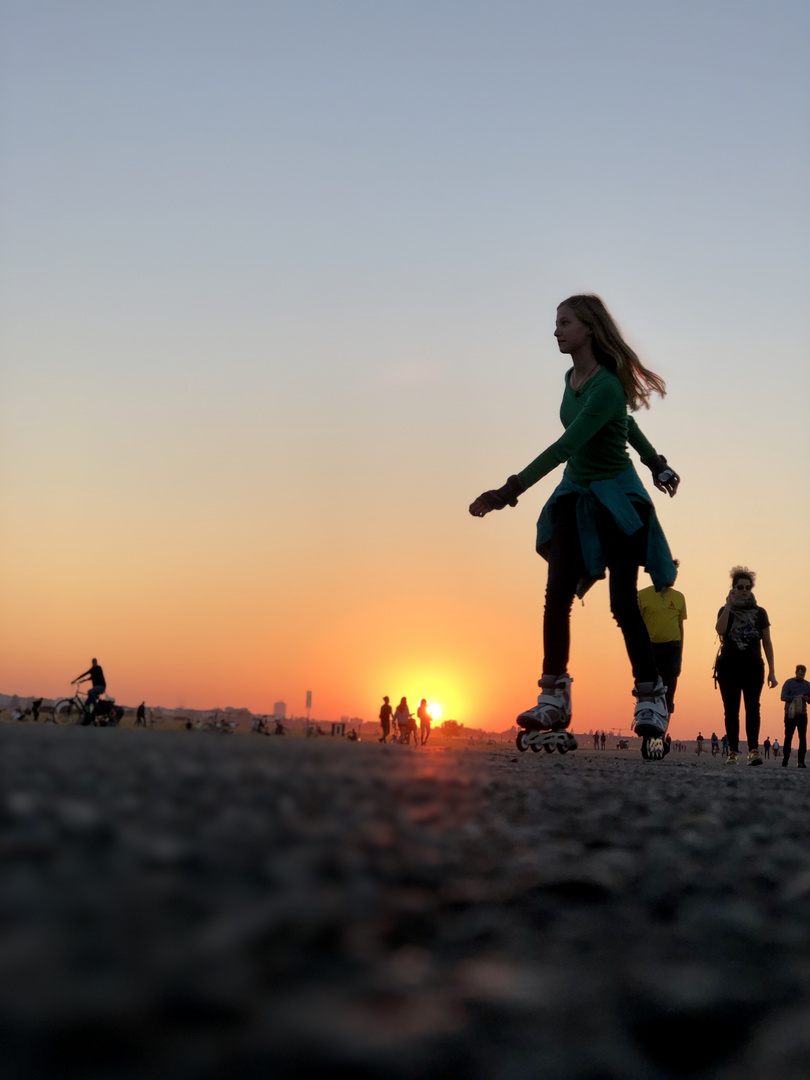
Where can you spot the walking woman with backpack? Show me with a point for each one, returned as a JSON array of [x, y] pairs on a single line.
[[745, 631]]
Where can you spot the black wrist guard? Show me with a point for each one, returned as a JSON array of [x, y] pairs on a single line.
[[504, 496], [657, 464]]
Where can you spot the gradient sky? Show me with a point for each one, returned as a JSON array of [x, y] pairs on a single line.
[[277, 289]]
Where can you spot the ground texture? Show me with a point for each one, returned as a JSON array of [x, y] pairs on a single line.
[[191, 905]]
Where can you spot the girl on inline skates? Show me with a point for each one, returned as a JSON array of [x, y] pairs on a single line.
[[600, 516]]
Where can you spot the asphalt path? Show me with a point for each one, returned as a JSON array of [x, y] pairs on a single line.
[[185, 904]]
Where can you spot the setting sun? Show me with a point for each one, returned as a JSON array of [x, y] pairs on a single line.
[[434, 710]]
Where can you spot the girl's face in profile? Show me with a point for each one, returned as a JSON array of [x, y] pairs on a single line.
[[571, 332]]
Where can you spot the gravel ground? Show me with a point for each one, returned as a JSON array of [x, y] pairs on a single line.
[[192, 905]]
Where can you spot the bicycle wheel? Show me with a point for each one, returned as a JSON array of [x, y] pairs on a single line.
[[67, 711]]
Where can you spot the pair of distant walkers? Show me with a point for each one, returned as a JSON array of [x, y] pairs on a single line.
[[740, 670]]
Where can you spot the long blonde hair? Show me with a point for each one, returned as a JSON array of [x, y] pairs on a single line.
[[612, 351]]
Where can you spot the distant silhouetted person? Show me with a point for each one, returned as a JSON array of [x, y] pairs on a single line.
[[36, 705], [425, 720], [596, 740], [98, 687], [405, 722], [796, 694], [766, 746], [140, 715], [603, 740], [385, 719]]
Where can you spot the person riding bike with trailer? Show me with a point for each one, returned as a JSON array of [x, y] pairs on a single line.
[[99, 684]]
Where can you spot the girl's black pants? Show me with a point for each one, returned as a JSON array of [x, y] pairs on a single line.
[[623, 556]]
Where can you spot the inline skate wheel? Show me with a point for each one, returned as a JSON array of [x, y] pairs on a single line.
[[654, 749]]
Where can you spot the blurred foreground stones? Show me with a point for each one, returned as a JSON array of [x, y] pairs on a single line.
[[193, 905]]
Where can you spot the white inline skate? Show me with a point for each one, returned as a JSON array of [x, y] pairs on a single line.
[[544, 725], [651, 719]]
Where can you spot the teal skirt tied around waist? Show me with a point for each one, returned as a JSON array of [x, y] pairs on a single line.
[[620, 496]]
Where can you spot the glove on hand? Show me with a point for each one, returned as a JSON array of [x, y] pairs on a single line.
[[499, 498], [664, 477]]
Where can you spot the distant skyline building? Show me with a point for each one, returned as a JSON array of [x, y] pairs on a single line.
[[280, 710]]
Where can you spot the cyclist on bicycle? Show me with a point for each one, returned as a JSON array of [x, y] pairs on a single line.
[[99, 685], [715, 744]]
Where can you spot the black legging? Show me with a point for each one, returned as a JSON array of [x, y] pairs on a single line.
[[799, 725], [668, 656], [623, 556], [746, 678]]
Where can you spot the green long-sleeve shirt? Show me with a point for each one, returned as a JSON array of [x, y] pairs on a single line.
[[597, 431]]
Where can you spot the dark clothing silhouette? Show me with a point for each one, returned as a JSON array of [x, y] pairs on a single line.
[[96, 676]]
